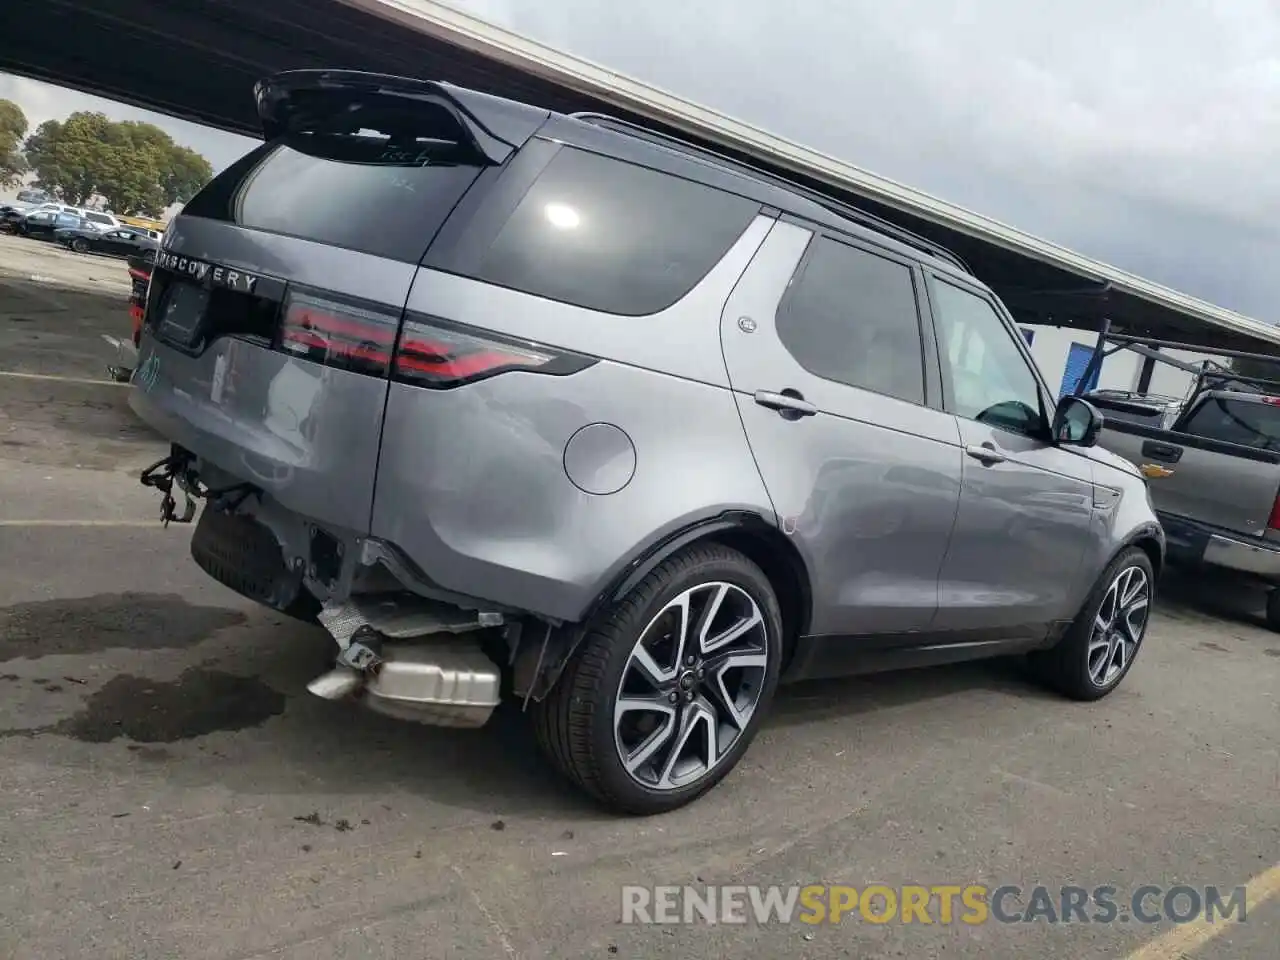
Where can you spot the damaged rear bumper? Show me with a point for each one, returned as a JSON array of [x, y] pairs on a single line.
[[405, 647]]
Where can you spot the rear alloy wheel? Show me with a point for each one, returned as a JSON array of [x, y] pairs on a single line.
[[1101, 645], [80, 245], [661, 701]]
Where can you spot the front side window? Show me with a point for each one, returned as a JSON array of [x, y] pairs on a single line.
[[990, 380], [851, 317]]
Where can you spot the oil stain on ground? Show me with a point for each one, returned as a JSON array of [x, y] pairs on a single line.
[[137, 621], [198, 702]]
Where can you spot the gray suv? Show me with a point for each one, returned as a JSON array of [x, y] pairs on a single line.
[[564, 411]]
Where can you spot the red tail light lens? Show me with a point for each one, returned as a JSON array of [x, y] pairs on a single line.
[[436, 355], [346, 335], [1273, 521]]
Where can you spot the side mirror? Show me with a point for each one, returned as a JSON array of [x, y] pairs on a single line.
[[1076, 422]]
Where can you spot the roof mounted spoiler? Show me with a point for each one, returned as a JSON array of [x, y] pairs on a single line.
[[496, 128], [901, 234]]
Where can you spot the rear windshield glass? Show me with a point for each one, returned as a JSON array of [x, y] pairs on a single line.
[[1248, 423], [383, 188]]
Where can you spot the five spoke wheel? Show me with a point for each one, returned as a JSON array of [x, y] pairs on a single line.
[[1119, 625], [690, 686]]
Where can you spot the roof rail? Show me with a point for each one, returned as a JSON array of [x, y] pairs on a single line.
[[901, 234]]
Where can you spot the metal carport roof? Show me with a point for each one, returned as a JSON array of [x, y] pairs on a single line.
[[199, 59]]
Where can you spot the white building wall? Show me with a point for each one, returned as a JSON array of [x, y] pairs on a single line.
[[1051, 345]]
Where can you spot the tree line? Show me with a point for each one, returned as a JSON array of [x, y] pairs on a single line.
[[136, 167]]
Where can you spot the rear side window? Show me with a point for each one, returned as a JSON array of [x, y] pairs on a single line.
[[851, 316], [1249, 423], [612, 236], [97, 218], [383, 189]]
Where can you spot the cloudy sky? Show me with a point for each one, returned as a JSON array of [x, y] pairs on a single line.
[[1144, 133]]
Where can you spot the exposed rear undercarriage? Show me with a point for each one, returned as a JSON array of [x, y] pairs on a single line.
[[405, 648]]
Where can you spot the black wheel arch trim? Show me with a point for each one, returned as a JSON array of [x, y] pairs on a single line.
[[650, 557], [548, 653], [1146, 532]]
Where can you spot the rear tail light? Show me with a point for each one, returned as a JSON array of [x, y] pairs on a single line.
[[339, 334], [438, 355], [428, 353], [136, 314], [1273, 521]]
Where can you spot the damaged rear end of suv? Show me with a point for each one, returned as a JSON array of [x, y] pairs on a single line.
[[375, 423]]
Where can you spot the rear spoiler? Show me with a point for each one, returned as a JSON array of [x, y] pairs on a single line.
[[495, 127], [1209, 374]]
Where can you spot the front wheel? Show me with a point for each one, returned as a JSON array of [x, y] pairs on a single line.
[[80, 245], [1101, 644], [665, 693]]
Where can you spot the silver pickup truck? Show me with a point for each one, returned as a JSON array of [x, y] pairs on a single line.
[[1212, 463]]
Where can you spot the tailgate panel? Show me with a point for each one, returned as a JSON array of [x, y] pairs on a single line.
[[306, 434]]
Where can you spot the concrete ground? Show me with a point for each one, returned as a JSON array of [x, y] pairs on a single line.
[[169, 789]]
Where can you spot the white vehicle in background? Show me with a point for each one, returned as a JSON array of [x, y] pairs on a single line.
[[97, 220], [92, 219]]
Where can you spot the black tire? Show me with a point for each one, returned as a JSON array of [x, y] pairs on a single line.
[[1273, 609], [574, 724], [79, 245], [1065, 666]]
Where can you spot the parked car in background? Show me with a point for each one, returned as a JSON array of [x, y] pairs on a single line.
[[11, 213], [97, 220], [120, 242], [43, 224], [32, 195], [57, 208], [585, 414], [1211, 460]]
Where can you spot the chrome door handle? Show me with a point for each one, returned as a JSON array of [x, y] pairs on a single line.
[[787, 402], [988, 455]]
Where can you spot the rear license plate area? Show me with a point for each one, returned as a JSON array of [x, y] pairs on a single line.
[[181, 313]]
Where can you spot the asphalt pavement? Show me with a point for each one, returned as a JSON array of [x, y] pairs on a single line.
[[169, 789]]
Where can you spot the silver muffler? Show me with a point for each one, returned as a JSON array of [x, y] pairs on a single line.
[[413, 660]]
